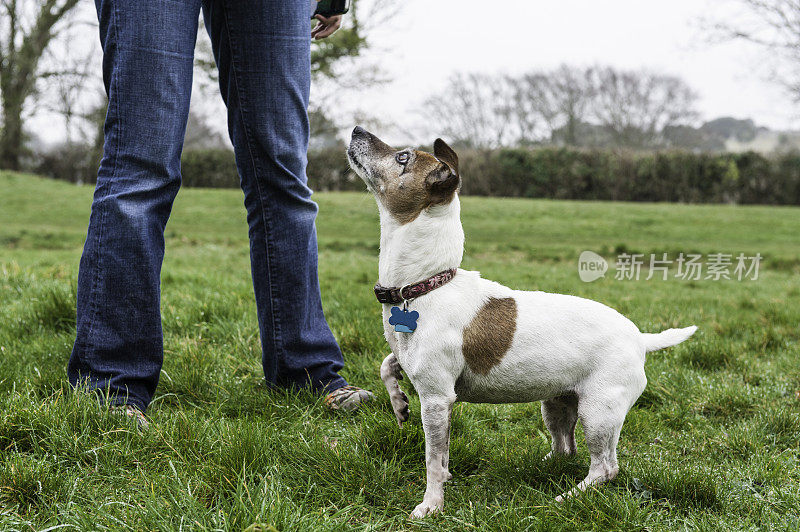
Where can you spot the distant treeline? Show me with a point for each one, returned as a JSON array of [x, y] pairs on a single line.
[[549, 172]]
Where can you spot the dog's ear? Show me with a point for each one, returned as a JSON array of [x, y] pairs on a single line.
[[445, 153], [442, 183]]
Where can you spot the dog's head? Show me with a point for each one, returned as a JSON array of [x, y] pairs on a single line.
[[405, 182]]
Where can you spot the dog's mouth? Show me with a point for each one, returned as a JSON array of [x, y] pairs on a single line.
[[351, 155], [359, 168]]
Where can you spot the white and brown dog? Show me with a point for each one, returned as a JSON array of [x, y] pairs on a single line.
[[478, 341]]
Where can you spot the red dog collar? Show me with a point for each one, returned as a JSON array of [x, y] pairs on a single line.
[[394, 295]]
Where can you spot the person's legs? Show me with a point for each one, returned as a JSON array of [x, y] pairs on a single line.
[[262, 49], [148, 50]]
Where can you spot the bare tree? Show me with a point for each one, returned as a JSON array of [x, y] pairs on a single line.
[[554, 102], [635, 107], [571, 106], [774, 26], [475, 110], [526, 107], [27, 31], [70, 85]]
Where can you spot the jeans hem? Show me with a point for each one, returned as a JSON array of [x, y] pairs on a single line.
[[332, 386], [127, 401], [317, 387]]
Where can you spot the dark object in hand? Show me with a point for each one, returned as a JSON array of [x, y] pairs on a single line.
[[329, 8]]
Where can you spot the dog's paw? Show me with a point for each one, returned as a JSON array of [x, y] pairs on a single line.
[[571, 494], [400, 407], [552, 454], [564, 497], [426, 508]]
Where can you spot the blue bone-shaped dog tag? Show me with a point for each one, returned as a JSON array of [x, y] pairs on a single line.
[[403, 320]]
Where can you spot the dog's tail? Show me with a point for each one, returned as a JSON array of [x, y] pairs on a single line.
[[668, 338]]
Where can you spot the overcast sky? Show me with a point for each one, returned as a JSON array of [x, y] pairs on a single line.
[[430, 39]]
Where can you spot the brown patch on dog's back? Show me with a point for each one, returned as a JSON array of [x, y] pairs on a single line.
[[490, 333]]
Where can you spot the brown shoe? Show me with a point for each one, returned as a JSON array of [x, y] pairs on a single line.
[[134, 413], [347, 398]]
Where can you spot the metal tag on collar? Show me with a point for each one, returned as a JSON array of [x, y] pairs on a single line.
[[403, 320]]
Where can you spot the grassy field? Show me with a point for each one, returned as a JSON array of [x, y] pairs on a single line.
[[711, 445]]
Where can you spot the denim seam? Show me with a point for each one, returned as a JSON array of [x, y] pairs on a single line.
[[91, 347], [277, 344]]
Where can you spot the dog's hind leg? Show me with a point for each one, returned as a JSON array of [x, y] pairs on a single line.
[[436, 412], [390, 374], [602, 412], [601, 439], [560, 414]]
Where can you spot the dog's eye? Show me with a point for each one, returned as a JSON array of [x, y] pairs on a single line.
[[401, 157]]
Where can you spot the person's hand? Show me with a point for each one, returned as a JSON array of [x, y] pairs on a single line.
[[326, 26]]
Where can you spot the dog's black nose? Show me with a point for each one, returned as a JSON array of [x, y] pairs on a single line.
[[358, 130]]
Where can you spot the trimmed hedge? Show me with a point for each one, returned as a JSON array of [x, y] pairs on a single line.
[[557, 173], [327, 170], [674, 176], [211, 168]]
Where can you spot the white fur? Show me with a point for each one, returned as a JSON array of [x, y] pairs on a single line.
[[582, 359]]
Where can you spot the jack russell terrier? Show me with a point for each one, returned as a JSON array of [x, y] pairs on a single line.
[[459, 337]]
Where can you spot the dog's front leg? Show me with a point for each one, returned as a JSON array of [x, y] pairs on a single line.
[[436, 423], [390, 374]]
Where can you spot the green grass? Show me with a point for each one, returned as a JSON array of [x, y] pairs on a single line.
[[712, 443]]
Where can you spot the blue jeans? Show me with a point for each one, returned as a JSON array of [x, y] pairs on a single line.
[[262, 50]]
